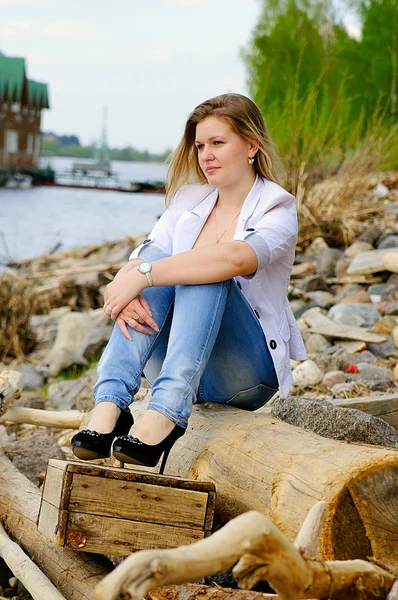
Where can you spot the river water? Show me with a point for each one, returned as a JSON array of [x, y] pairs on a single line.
[[32, 221]]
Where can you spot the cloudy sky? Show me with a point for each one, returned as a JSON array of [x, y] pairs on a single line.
[[149, 61]]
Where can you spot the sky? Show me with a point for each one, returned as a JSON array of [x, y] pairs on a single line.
[[150, 62]]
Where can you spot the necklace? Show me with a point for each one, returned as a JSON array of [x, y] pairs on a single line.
[[225, 230]]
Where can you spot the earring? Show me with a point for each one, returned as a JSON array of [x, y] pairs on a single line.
[[251, 160]]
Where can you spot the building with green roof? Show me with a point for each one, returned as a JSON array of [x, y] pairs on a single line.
[[21, 103]]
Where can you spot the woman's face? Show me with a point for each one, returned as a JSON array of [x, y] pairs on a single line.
[[222, 154]]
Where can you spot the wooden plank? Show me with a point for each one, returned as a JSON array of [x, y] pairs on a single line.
[[385, 407], [138, 501], [53, 522], [53, 485], [211, 506], [120, 537], [348, 332], [368, 262]]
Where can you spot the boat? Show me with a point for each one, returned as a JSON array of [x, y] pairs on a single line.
[[101, 162]]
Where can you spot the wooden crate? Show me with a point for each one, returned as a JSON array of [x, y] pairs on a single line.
[[116, 511]]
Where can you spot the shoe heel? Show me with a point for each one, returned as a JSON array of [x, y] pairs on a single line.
[[164, 460]]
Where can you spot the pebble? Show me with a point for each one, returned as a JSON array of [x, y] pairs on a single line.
[[316, 343], [357, 247], [307, 374], [380, 191], [359, 315], [390, 241], [332, 378]]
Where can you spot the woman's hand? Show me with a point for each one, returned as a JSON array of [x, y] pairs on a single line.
[[119, 293], [138, 315]]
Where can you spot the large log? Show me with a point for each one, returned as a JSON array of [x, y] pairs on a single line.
[[74, 574], [260, 463]]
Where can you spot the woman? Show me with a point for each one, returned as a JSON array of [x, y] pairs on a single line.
[[201, 307]]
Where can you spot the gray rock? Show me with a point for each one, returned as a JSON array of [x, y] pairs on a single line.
[[76, 393], [326, 262], [390, 241], [370, 234], [360, 315], [364, 357], [32, 377], [31, 402], [384, 350], [322, 299], [298, 313], [67, 348], [95, 341], [350, 289], [378, 289], [327, 420], [377, 379], [334, 359], [316, 343], [393, 308], [391, 293], [315, 283]]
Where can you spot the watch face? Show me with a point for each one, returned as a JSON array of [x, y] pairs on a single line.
[[145, 267]]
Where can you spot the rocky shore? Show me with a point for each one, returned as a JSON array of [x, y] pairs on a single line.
[[344, 297]]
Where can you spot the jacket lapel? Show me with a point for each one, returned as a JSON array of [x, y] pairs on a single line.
[[190, 223]]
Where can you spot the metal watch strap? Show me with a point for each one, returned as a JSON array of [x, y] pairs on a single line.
[[147, 275]]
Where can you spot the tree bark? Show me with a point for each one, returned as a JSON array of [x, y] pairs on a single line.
[[260, 463], [74, 574]]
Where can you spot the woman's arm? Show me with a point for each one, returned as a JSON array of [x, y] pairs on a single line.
[[206, 264]]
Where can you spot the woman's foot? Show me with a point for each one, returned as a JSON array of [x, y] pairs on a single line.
[[91, 444], [154, 427], [155, 436], [104, 417]]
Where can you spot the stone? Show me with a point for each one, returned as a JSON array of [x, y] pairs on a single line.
[[395, 336], [326, 262], [302, 325], [346, 291], [385, 325], [341, 267], [303, 269], [390, 241], [377, 379], [364, 357], [322, 299], [307, 374], [316, 343], [73, 394], [396, 374], [296, 305], [335, 422], [32, 377], [298, 313], [389, 262], [384, 350], [330, 379], [358, 297], [380, 191], [317, 246], [359, 315], [95, 341], [357, 247], [66, 351], [316, 283], [393, 308], [370, 234]]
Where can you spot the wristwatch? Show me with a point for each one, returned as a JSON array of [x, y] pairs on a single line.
[[145, 268]]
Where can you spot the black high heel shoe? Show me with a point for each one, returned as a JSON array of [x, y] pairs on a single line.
[[129, 449], [90, 445]]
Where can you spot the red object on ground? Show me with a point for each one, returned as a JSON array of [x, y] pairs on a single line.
[[352, 369]]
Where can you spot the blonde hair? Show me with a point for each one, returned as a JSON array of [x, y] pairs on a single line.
[[245, 119]]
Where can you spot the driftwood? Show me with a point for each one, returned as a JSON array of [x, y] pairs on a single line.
[[101, 268], [259, 552], [37, 584], [74, 574], [205, 592], [60, 419], [260, 463], [385, 407]]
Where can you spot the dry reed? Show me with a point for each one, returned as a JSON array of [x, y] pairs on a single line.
[[16, 302]]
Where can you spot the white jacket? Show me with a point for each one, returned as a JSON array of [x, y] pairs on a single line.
[[268, 222]]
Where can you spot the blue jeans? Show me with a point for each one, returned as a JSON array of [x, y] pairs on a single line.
[[210, 348]]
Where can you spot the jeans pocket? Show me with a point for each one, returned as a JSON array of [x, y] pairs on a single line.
[[252, 398]]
